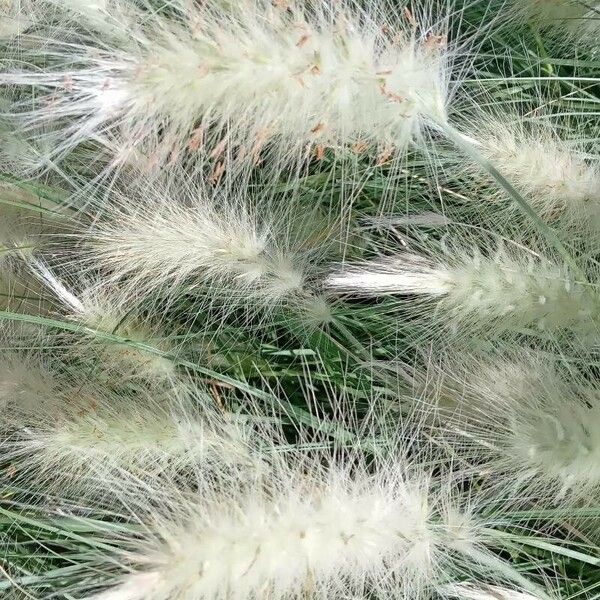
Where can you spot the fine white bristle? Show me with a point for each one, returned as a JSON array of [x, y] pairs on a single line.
[[57, 433], [553, 175], [113, 335], [511, 290], [217, 82], [309, 528], [211, 247], [537, 417]]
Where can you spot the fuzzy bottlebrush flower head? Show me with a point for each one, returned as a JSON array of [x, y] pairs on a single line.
[[202, 80], [489, 592], [510, 291], [213, 247], [119, 340], [550, 172], [576, 18], [13, 19], [533, 415], [310, 528], [26, 224], [100, 313], [66, 435]]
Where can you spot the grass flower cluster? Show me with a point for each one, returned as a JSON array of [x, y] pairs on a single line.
[[299, 299]]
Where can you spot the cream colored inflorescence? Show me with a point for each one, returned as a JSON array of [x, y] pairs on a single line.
[[228, 82], [323, 532], [512, 290]]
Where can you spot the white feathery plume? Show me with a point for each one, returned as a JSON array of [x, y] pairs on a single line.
[[98, 312], [82, 440], [246, 253], [465, 591], [532, 415], [13, 19], [575, 19], [513, 290], [57, 432], [133, 589], [551, 173], [220, 82], [405, 274], [309, 529], [22, 229]]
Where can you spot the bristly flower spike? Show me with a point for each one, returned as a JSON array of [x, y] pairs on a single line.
[[311, 527], [552, 173], [510, 291], [223, 83]]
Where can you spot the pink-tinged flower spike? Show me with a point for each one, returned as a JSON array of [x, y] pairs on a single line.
[[225, 84]]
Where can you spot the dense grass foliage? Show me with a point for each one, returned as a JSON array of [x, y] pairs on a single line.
[[299, 299]]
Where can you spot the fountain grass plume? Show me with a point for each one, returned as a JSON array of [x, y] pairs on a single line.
[[98, 310], [64, 429], [473, 287], [214, 248], [224, 84], [532, 415], [554, 174], [314, 524]]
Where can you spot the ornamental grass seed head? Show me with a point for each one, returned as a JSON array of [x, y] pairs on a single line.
[[311, 527], [239, 84], [478, 291], [532, 416]]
